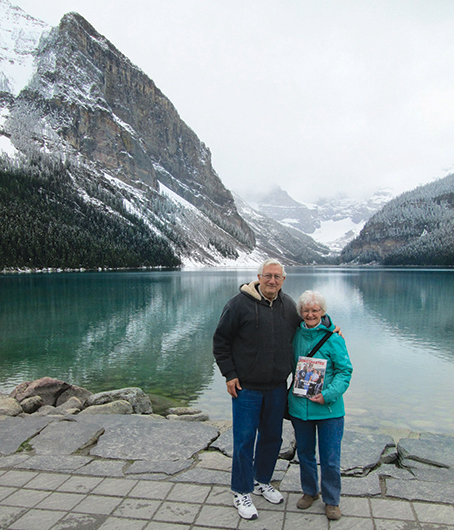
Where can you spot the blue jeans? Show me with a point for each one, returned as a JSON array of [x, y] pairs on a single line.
[[330, 434], [257, 435]]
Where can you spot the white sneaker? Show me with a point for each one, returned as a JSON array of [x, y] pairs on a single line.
[[246, 508], [267, 491]]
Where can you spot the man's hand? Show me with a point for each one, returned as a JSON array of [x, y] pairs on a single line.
[[232, 386], [337, 329]]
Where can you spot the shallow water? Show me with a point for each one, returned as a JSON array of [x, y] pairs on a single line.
[[154, 330]]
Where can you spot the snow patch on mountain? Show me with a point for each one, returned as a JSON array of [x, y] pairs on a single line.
[[336, 234], [7, 147], [166, 192], [332, 230], [19, 37]]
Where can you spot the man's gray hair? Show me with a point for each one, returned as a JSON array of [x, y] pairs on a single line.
[[309, 298], [271, 262]]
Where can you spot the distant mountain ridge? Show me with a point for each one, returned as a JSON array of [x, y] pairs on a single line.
[[332, 223], [415, 228], [272, 236], [84, 104]]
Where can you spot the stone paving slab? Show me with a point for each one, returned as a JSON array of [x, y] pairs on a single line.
[[291, 481], [10, 461], [57, 463], [65, 437], [362, 451], [429, 449], [204, 476], [52, 501], [361, 486], [169, 467], [434, 513], [144, 438], [416, 490], [392, 471], [15, 431], [104, 468], [435, 475]]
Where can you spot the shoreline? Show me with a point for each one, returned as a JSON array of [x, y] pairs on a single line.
[[57, 393]]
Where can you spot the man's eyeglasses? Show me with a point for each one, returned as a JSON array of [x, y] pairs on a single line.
[[268, 277]]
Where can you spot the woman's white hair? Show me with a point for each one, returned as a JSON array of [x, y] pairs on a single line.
[[271, 262], [310, 298]]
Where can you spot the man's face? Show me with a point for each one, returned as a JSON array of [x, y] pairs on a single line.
[[271, 281]]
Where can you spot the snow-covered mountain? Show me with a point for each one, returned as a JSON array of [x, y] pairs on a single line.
[[19, 37], [273, 236], [334, 222], [73, 106], [342, 218], [415, 228]]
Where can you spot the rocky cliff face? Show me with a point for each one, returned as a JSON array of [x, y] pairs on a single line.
[[89, 98]]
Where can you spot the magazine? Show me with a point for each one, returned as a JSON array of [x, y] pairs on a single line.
[[309, 376]]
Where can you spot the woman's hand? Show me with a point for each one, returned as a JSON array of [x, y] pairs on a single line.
[[318, 399]]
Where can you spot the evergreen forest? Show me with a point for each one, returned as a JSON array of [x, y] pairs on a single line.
[[52, 216], [414, 229]]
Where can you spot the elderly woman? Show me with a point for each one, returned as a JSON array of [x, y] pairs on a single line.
[[323, 413]]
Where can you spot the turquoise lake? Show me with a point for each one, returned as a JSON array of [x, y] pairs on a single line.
[[153, 330]]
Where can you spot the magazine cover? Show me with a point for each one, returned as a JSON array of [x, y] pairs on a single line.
[[309, 376]]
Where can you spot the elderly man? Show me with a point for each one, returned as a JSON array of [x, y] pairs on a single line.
[[253, 348]]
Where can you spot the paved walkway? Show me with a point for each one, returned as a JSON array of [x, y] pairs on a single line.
[[134, 473], [39, 500]]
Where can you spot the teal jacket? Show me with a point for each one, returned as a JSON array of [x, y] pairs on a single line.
[[337, 377]]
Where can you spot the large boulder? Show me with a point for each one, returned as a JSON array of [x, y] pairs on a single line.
[[47, 388], [140, 402], [119, 406]]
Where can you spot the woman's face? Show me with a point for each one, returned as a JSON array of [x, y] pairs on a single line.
[[312, 314]]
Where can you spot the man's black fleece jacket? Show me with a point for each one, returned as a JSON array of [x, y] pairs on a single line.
[[253, 339]]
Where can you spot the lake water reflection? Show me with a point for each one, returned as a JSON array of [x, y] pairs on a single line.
[[153, 330]]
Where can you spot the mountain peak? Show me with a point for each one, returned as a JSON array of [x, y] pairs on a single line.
[[20, 34], [278, 196]]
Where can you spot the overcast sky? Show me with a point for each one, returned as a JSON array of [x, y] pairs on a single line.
[[319, 97]]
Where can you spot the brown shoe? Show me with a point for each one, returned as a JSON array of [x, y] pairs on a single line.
[[306, 501], [333, 512]]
